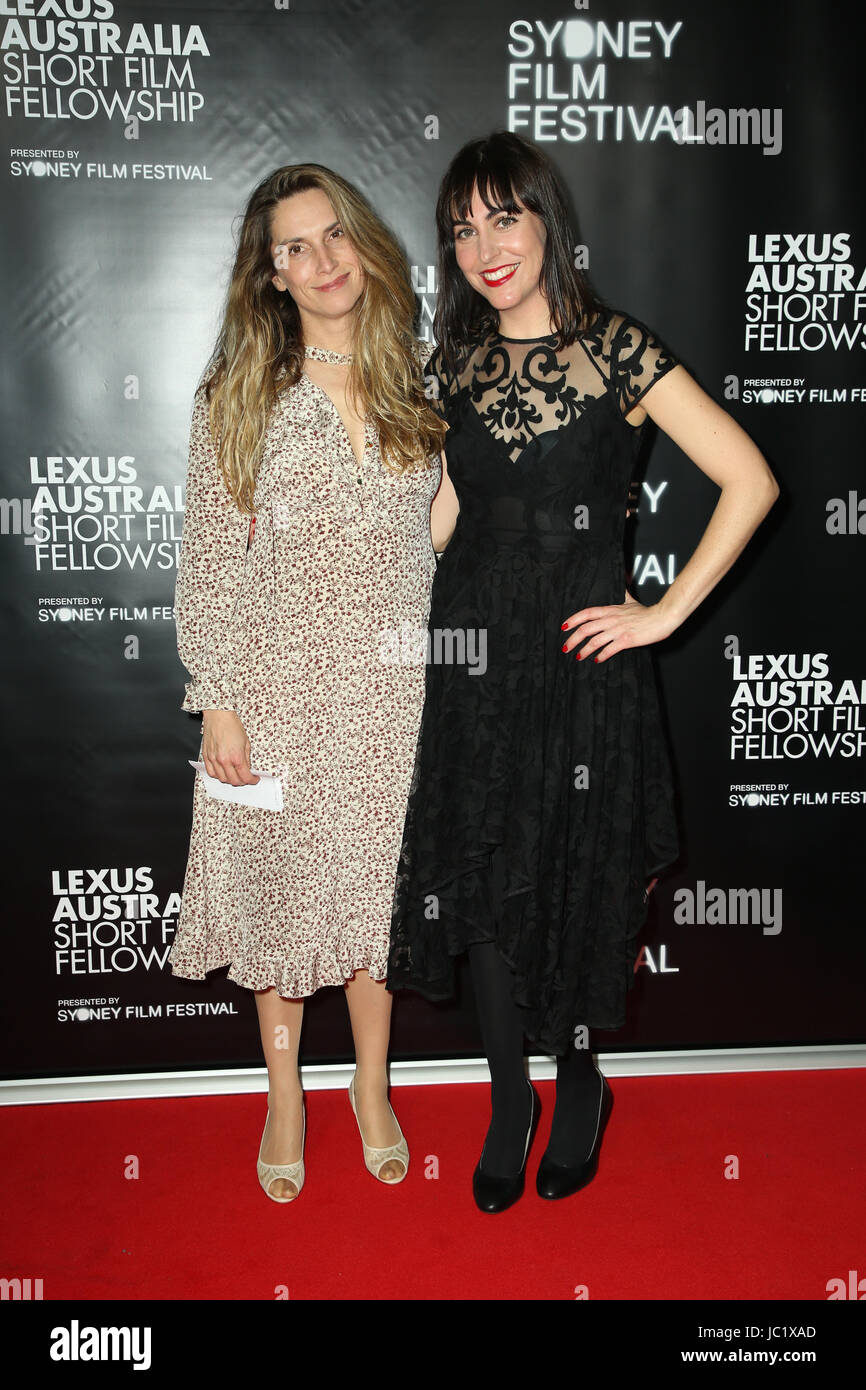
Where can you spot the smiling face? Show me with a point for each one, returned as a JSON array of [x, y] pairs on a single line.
[[501, 253], [315, 262]]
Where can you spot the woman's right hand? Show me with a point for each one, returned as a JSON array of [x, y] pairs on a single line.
[[225, 748]]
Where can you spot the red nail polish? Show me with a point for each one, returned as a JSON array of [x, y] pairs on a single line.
[[595, 658], [564, 626], [565, 648], [580, 656]]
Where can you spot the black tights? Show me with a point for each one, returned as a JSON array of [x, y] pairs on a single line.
[[578, 1084]]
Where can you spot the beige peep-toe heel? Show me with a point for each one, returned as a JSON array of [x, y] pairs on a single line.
[[292, 1172], [376, 1159]]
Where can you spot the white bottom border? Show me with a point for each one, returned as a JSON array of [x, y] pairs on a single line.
[[333, 1076]]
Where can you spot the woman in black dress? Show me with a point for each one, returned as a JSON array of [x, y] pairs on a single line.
[[541, 801]]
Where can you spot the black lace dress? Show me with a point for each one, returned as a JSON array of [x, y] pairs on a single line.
[[541, 799]]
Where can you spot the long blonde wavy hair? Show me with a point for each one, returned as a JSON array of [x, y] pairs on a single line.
[[260, 348]]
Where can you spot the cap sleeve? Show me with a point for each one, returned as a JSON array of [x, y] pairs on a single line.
[[638, 359]]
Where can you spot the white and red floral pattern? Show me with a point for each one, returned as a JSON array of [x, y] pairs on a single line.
[[289, 631]]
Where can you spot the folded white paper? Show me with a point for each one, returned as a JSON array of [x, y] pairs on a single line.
[[267, 792]]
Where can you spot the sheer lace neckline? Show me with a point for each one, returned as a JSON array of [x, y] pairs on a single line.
[[547, 338], [526, 391]]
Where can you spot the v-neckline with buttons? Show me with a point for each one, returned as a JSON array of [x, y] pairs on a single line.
[[339, 358]]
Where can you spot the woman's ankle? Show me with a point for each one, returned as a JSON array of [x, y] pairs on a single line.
[[371, 1079], [284, 1094]]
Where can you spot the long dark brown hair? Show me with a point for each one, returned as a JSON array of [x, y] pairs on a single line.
[[508, 171], [260, 348]]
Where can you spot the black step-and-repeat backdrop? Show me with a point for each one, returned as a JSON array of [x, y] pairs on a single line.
[[715, 157]]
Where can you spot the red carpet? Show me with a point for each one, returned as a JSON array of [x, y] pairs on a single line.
[[660, 1221]]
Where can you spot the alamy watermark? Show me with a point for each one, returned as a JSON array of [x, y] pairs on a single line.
[[440, 646], [729, 907]]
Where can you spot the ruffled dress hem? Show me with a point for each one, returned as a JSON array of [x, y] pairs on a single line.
[[290, 983]]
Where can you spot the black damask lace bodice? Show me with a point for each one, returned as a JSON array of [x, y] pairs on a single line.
[[538, 443], [526, 389]]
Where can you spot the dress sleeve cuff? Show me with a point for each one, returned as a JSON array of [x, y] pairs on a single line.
[[200, 697]]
